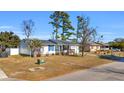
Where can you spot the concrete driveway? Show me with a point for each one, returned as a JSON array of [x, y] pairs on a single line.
[[108, 72]]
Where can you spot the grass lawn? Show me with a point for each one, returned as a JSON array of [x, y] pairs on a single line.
[[18, 66]]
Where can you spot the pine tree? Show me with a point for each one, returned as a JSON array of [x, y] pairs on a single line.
[[55, 23], [66, 26], [61, 20]]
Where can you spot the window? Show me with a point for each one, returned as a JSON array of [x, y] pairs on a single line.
[[51, 47]]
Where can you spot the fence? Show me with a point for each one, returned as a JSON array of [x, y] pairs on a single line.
[[12, 51]]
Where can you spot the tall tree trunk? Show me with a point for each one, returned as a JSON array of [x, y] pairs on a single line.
[[63, 29], [56, 34], [83, 47], [77, 38], [68, 50], [77, 34], [83, 51]]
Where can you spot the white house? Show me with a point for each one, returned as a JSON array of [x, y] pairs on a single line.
[[51, 47]]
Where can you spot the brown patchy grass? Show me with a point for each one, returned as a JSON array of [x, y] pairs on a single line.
[[17, 66], [121, 54]]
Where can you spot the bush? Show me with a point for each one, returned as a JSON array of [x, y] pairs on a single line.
[[3, 54]]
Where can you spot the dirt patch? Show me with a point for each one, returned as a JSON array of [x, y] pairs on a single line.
[[17, 73], [34, 69]]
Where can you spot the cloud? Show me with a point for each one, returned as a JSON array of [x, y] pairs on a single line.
[[6, 27], [16, 30], [11, 28]]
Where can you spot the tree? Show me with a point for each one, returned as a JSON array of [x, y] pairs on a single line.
[[119, 40], [35, 44], [117, 43], [100, 38], [85, 33], [61, 20], [28, 26], [55, 23], [9, 40], [66, 26]]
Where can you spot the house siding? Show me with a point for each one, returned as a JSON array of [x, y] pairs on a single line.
[[75, 48], [45, 50], [94, 48], [23, 48]]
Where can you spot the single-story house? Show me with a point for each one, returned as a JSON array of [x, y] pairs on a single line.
[[93, 47], [105, 46], [51, 47]]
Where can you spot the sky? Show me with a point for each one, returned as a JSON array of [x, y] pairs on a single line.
[[109, 24]]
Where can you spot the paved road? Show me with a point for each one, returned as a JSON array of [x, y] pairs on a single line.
[[10, 79], [4, 77], [108, 72], [2, 74]]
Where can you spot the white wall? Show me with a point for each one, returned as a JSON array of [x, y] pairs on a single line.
[[44, 50], [13, 51], [76, 48], [23, 49], [94, 48]]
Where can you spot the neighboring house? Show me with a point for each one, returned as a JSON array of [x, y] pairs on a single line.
[[51, 47], [93, 47], [105, 46]]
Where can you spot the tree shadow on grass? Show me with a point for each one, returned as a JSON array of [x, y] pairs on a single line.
[[112, 57]]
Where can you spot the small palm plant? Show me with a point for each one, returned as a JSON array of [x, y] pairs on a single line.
[[35, 45]]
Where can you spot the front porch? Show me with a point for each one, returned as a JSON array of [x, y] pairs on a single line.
[[65, 50]]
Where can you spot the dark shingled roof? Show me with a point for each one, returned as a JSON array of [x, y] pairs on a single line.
[[94, 44], [47, 42], [99, 44], [61, 42], [55, 42]]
